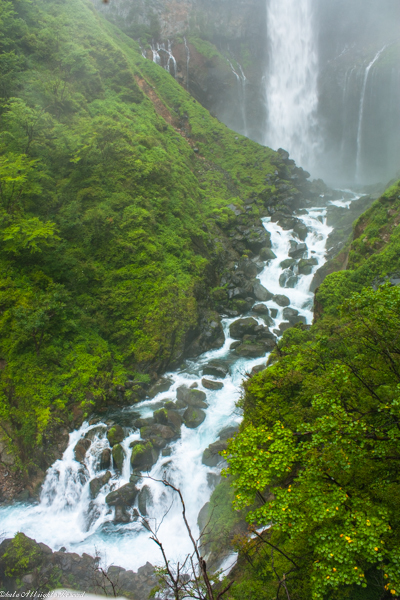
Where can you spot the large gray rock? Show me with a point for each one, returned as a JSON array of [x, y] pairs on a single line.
[[81, 448], [260, 309], [193, 417], [306, 265], [115, 435], [301, 230], [124, 496], [250, 350], [260, 292], [143, 455], [191, 397], [281, 300], [212, 385], [161, 385], [118, 456], [267, 254], [158, 435], [211, 455], [241, 327], [216, 369], [105, 459], [97, 483], [144, 500], [298, 250]]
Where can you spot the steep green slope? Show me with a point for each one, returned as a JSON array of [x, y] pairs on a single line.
[[113, 181]]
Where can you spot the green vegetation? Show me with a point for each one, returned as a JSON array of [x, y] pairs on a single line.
[[317, 457], [107, 216]]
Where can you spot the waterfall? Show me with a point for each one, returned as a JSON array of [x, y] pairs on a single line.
[[69, 515], [361, 114], [291, 79], [187, 62]]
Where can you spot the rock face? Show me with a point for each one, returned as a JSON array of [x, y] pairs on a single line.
[[69, 570]]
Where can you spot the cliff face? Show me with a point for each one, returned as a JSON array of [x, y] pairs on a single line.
[[219, 52]]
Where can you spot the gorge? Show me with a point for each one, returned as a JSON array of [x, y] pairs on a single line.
[[173, 290]]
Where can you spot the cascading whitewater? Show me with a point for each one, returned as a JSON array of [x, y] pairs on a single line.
[[291, 79], [69, 516]]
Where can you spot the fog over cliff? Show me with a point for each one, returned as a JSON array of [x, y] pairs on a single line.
[[320, 78]]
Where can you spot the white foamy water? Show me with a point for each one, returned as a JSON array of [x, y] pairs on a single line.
[[67, 516], [291, 79]]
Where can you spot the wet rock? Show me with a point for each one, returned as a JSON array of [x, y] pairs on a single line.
[[299, 319], [118, 456], [193, 417], [228, 432], [209, 336], [261, 309], [194, 385], [121, 515], [306, 265], [283, 326], [115, 435], [105, 459], [212, 385], [263, 333], [94, 432], [288, 313], [96, 484], [123, 496], [250, 350], [267, 254], [287, 279], [174, 420], [281, 300], [234, 345], [166, 452], [158, 435], [81, 448], [211, 456], [257, 238], [260, 292], [191, 397], [139, 423], [288, 263], [248, 268], [216, 369], [144, 500], [241, 327], [273, 312], [298, 250], [162, 385], [143, 455], [257, 369], [301, 230]]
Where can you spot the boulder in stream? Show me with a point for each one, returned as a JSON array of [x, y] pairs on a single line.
[[161, 385], [212, 385], [306, 265], [211, 455], [105, 459], [249, 350], [118, 456], [191, 397], [115, 435], [216, 369], [81, 448], [298, 250], [123, 496], [97, 483], [281, 300], [241, 327], [260, 292], [267, 254], [144, 500], [143, 455], [193, 417]]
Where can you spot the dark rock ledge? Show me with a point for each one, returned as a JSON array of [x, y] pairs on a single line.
[[27, 565]]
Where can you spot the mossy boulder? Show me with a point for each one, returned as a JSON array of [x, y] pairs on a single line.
[[118, 456], [193, 417], [105, 459], [158, 435], [267, 254], [251, 350], [115, 435], [191, 397], [211, 455], [216, 369], [241, 327], [143, 455]]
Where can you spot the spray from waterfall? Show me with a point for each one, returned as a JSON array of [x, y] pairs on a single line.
[[291, 79], [361, 114]]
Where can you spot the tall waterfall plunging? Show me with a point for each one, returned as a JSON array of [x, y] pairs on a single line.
[[70, 515], [291, 79]]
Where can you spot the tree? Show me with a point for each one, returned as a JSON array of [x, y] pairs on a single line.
[[320, 450]]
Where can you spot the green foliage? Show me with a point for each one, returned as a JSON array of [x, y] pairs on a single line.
[[21, 556], [320, 443]]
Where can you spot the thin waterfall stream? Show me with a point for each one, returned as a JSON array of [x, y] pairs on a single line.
[[69, 516]]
